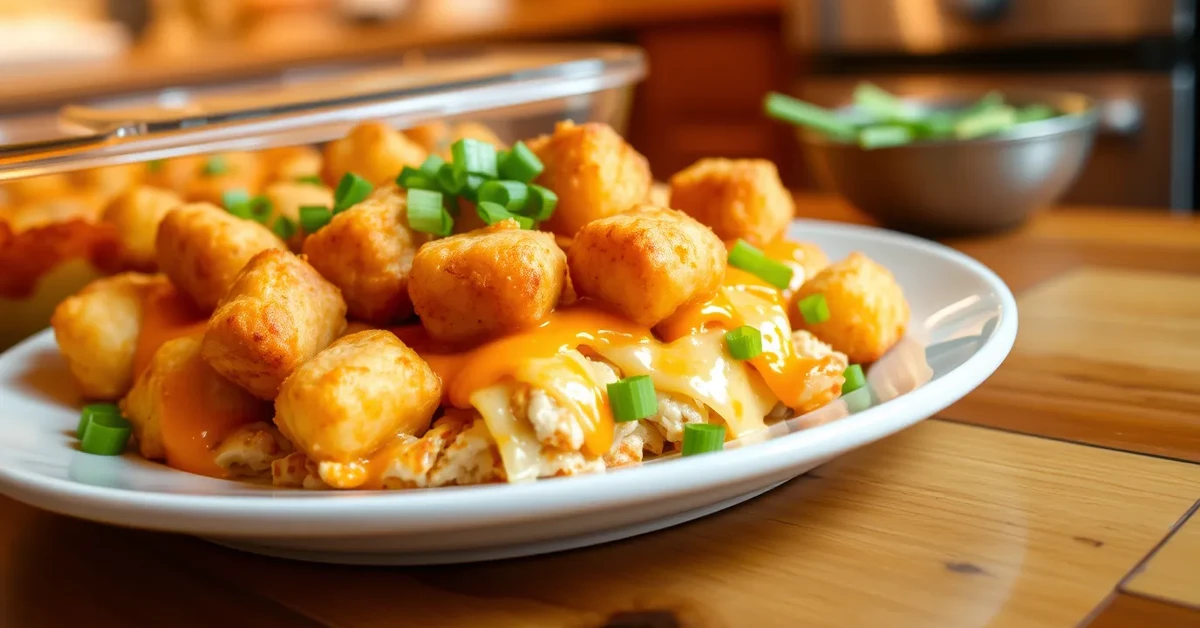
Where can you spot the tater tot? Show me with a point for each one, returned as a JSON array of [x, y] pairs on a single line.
[[223, 173], [174, 174], [431, 136], [481, 284], [85, 206], [110, 181], [867, 310], [646, 263], [97, 332], [287, 197], [136, 215], [373, 151], [737, 198], [278, 313], [37, 189], [355, 395], [201, 247], [367, 252], [291, 163], [593, 172], [177, 369]]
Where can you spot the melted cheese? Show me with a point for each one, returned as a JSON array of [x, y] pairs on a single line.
[[698, 366], [168, 315], [518, 445], [570, 380]]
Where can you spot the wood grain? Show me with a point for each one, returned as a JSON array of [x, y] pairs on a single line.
[[1105, 357], [1172, 573], [943, 524], [1123, 610]]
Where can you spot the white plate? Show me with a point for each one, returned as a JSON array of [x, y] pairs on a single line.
[[964, 323]]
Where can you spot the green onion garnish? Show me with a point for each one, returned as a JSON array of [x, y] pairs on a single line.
[[105, 435], [701, 438], [474, 157], [471, 185], [744, 343], [541, 203], [985, 122], [432, 165], [235, 198], [884, 136], [313, 217], [214, 166], [632, 398], [814, 309], [284, 228], [351, 190], [491, 213], [520, 164], [451, 181], [788, 109], [92, 410], [154, 165], [750, 259], [426, 214], [854, 379], [310, 179], [413, 178], [260, 209], [512, 195]]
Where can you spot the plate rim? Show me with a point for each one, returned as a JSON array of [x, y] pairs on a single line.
[[451, 508]]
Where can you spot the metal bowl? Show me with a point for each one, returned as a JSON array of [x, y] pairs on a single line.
[[957, 187]]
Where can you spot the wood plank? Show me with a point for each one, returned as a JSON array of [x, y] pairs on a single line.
[[1123, 610], [1172, 573], [943, 524], [1105, 357]]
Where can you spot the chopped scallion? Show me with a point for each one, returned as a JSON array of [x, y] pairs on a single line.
[[284, 228], [814, 308], [413, 178], [215, 165], [313, 217], [105, 435], [854, 378], [788, 109], [94, 409], [884, 136], [474, 157], [702, 438], [351, 190], [426, 214], [520, 164], [432, 165], [632, 398], [310, 179], [541, 203], [471, 185], [745, 256], [451, 181], [744, 343], [155, 165], [491, 213], [512, 195], [234, 198]]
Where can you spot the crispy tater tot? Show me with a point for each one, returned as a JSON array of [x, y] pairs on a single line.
[[477, 285], [867, 310], [224, 172], [431, 136], [278, 313], [367, 252], [177, 365], [593, 172], [109, 181], [646, 263], [287, 197], [174, 174], [737, 198], [35, 189], [85, 206], [291, 163], [97, 331], [201, 247], [136, 215], [355, 395], [373, 151]]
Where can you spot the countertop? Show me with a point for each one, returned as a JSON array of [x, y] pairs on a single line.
[[1060, 493]]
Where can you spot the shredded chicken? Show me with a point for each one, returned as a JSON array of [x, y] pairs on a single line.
[[675, 411], [250, 451]]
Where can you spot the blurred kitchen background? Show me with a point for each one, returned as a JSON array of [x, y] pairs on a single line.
[[711, 61]]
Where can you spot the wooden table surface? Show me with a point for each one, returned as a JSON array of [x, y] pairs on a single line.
[[1061, 493]]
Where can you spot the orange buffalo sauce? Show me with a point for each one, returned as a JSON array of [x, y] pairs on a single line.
[[169, 314], [744, 299], [465, 372]]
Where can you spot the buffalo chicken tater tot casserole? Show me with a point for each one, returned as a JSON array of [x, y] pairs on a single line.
[[438, 308]]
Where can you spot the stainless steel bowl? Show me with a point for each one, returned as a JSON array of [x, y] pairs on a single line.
[[955, 187]]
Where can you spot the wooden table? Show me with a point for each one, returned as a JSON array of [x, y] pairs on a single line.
[[1061, 493]]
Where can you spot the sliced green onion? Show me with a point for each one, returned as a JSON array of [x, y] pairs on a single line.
[[750, 259], [854, 378], [214, 166], [310, 179], [702, 438], [233, 198], [105, 435], [426, 214], [1035, 112], [284, 228], [260, 209], [313, 217], [788, 109], [884, 136], [432, 165], [451, 181], [471, 185], [351, 190], [541, 203], [632, 398], [814, 309], [412, 178], [92, 410], [512, 195], [986, 122], [154, 165], [520, 164], [881, 104], [744, 343], [491, 213], [474, 157]]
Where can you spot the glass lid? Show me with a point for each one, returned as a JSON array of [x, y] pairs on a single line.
[[307, 104]]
